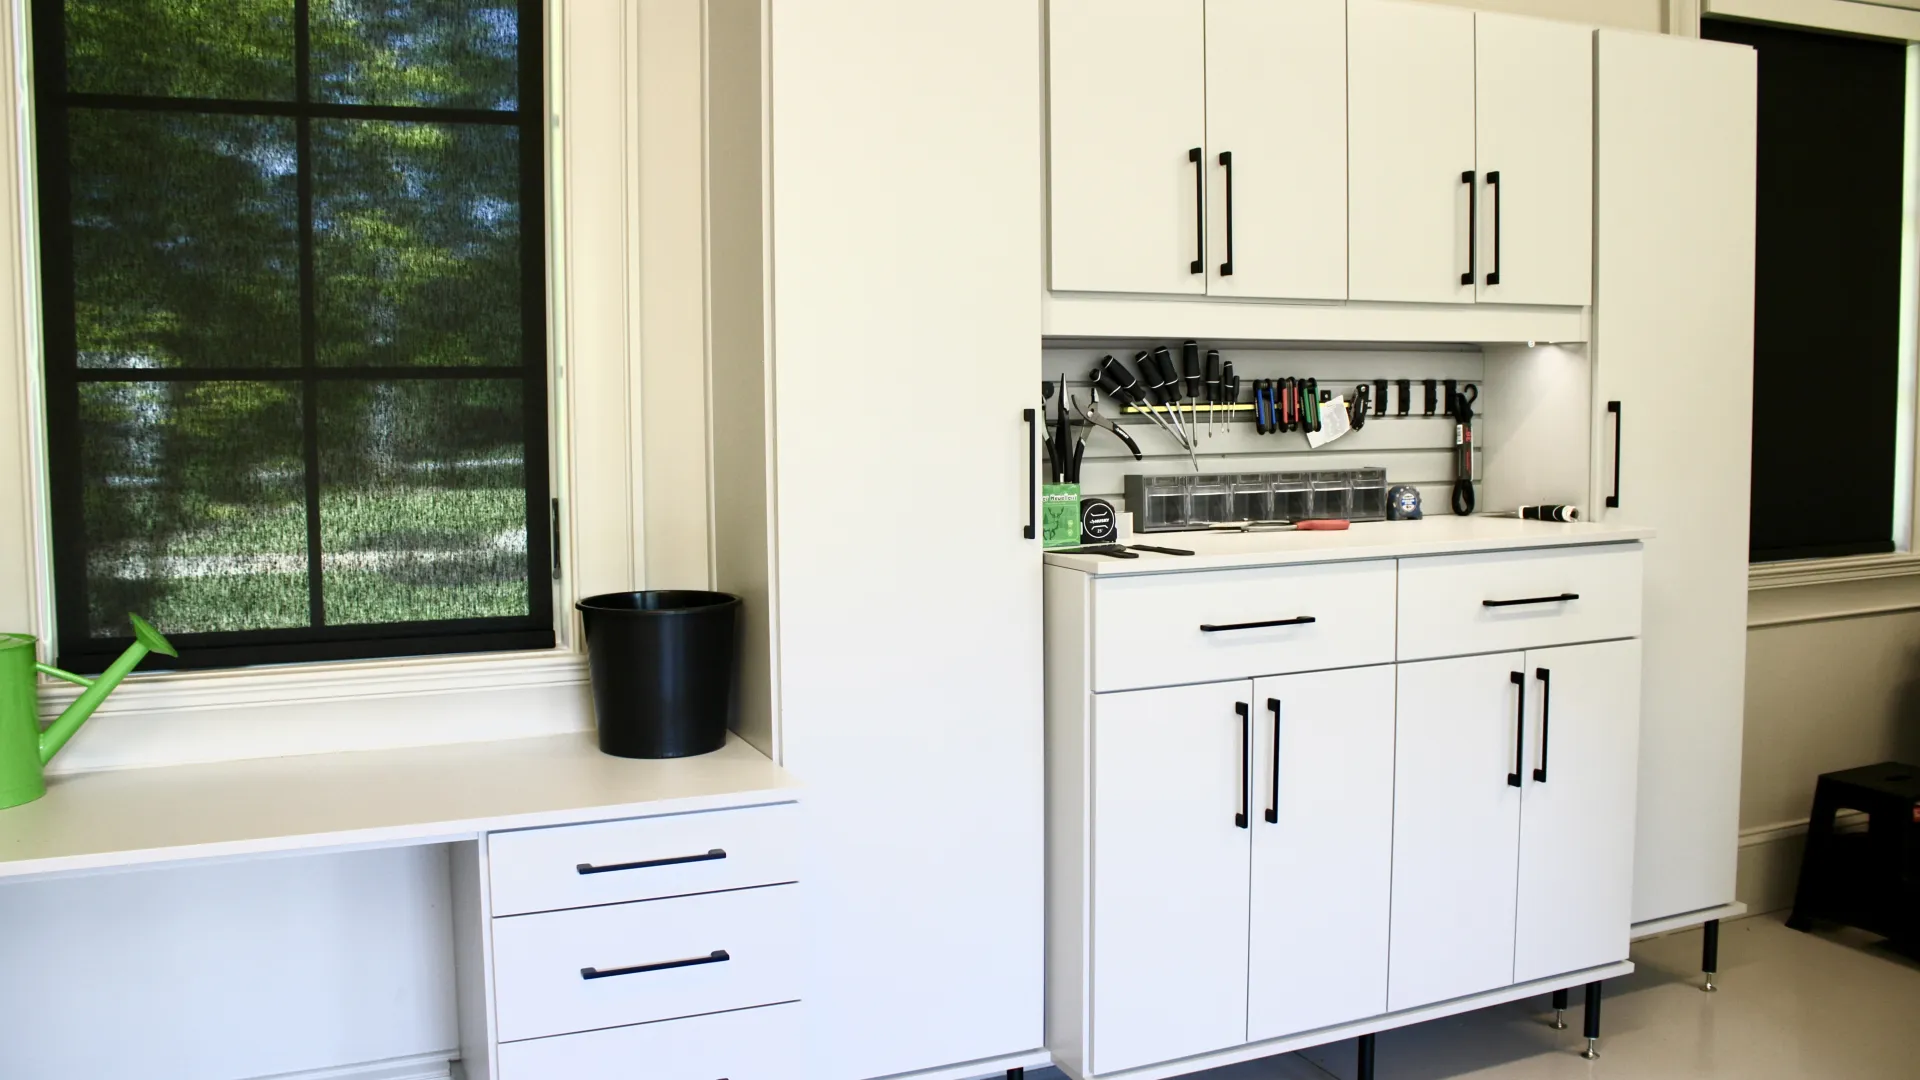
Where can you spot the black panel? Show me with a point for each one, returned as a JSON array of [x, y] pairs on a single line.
[[1827, 290]]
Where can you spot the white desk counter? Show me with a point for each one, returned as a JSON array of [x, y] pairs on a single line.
[[418, 795], [1438, 535]]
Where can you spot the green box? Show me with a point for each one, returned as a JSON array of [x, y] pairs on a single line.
[[1060, 515]]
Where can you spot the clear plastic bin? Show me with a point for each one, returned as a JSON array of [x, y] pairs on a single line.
[[1332, 492], [1292, 497], [1209, 499], [1166, 502], [1252, 497], [1368, 495]]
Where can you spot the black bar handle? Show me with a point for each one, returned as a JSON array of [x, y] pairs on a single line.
[[1493, 181], [1613, 500], [1561, 599], [1273, 805], [1246, 759], [1199, 263], [1226, 162], [1546, 710], [1297, 620], [1473, 229], [1519, 728], [1033, 476], [677, 860], [717, 956]]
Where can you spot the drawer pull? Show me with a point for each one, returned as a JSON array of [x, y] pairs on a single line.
[[1519, 729], [717, 956], [1298, 620], [1561, 599], [589, 868]]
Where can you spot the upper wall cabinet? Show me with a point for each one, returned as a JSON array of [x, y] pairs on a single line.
[[1198, 147], [1471, 147]]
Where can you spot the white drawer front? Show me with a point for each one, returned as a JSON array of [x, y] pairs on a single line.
[[550, 970], [1148, 630], [607, 863], [1452, 605], [752, 1044]]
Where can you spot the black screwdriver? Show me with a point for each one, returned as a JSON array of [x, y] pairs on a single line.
[[1190, 365], [1213, 387], [1164, 379], [1155, 383], [1229, 393], [1119, 383]]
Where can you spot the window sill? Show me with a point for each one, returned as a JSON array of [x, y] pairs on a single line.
[[1813, 590], [178, 718]]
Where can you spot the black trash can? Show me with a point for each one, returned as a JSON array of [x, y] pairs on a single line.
[[665, 670]]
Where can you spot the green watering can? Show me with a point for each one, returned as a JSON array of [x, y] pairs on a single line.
[[24, 748]]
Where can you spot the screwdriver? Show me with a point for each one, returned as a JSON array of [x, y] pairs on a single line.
[[1229, 392], [1166, 383], [1213, 388], [1190, 364], [1155, 382], [1119, 383]]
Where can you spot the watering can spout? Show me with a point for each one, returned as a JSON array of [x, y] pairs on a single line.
[[145, 640]]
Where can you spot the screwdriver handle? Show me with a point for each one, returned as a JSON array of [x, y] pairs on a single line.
[[1150, 379], [1190, 365], [1213, 377]]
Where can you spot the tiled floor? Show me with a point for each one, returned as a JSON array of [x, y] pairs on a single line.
[[1790, 1006]]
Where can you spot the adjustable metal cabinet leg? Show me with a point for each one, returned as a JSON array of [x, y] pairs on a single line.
[[1560, 1010], [1364, 1068], [1017, 1073], [1710, 954], [1593, 1022]]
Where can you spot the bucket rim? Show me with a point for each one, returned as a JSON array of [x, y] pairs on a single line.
[[721, 600]]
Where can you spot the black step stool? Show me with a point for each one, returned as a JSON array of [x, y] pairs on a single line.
[[1870, 880]]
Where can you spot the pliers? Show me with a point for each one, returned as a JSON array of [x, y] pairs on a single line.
[[1092, 415]]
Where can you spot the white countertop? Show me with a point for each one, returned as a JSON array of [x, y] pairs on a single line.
[[429, 794], [1446, 535]]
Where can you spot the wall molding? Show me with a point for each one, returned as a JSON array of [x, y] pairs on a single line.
[[418, 1067], [1840, 16], [1815, 590]]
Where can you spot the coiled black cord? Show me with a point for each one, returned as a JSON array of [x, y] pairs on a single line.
[[1463, 499]]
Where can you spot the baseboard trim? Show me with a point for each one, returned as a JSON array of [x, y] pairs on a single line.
[[1769, 860], [415, 1067]]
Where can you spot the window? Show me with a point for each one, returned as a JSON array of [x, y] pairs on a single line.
[[1827, 292], [293, 271]]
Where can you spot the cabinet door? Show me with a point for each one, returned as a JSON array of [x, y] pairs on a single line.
[[1576, 810], [1322, 850], [1534, 86], [1169, 872], [1674, 205], [1277, 121], [1456, 827], [1126, 97], [1410, 140]]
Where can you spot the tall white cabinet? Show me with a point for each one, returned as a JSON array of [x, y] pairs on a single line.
[[1673, 325], [875, 186]]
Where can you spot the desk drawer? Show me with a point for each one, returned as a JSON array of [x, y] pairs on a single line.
[[1452, 605], [752, 1044], [611, 862], [1150, 631], [564, 971]]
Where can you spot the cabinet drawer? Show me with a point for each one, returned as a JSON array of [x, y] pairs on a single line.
[[751, 1044], [1154, 630], [564, 971], [1453, 605], [611, 862]]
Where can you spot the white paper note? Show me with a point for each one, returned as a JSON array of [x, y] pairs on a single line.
[[1333, 422]]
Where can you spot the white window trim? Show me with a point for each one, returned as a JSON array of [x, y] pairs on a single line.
[[163, 718], [1840, 16]]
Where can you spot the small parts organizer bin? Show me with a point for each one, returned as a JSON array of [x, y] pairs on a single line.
[[1171, 503]]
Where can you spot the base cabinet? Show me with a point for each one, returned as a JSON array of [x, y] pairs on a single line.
[[1322, 850], [1513, 818]]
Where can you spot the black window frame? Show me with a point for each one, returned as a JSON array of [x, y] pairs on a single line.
[[78, 651]]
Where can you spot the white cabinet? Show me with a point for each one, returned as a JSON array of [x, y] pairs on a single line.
[[1127, 105], [1235, 862], [1513, 817], [1462, 120], [1197, 146], [1170, 869], [1674, 249], [1456, 828], [1322, 850], [1533, 93], [1277, 129], [1410, 102], [1576, 813]]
